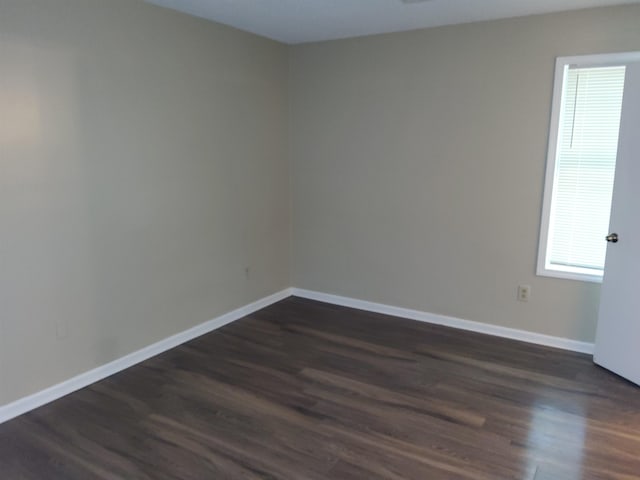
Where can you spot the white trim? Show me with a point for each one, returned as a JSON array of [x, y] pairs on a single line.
[[66, 387], [569, 273], [55, 392], [562, 64], [549, 180], [496, 330]]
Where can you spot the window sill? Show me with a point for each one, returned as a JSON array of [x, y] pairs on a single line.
[[570, 274]]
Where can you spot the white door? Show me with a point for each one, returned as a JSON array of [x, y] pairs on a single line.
[[618, 334]]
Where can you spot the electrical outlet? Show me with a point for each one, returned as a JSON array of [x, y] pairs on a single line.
[[524, 293]]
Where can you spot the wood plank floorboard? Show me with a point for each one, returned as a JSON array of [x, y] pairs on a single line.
[[306, 390]]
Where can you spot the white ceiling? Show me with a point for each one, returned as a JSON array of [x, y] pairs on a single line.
[[298, 21]]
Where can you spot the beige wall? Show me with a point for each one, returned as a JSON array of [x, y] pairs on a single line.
[[418, 163], [143, 166]]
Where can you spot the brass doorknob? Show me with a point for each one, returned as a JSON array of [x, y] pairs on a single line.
[[612, 237]]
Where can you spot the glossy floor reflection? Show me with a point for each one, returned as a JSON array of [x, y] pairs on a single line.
[[305, 390], [559, 438]]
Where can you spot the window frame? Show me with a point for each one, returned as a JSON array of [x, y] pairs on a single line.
[[562, 64]]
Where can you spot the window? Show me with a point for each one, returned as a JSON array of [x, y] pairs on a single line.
[[583, 144]]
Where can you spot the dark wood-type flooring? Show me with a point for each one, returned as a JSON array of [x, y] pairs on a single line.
[[305, 390]]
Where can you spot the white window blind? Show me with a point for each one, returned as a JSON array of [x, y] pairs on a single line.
[[585, 167]]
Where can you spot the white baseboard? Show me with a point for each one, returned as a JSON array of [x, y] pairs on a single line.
[[50, 394], [55, 392], [498, 331]]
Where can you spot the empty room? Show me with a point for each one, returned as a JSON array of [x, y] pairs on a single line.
[[320, 239]]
